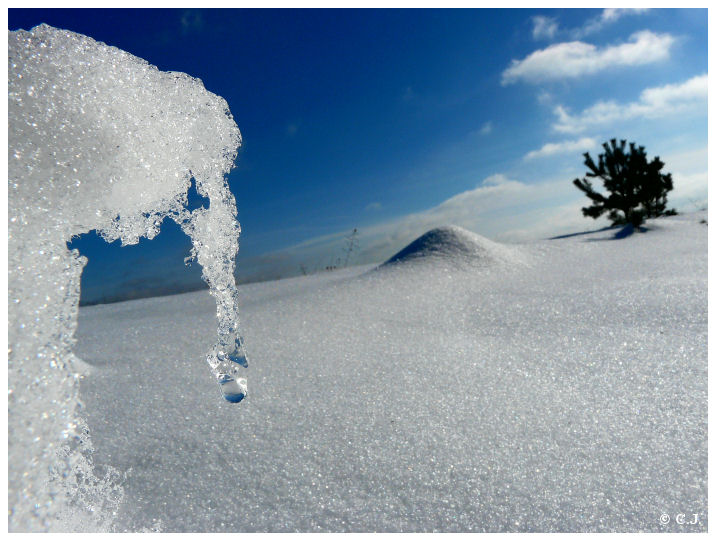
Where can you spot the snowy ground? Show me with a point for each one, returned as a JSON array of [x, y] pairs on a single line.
[[555, 386]]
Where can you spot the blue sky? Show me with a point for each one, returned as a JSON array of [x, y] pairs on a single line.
[[396, 121]]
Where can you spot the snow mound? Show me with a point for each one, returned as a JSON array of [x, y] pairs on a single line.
[[456, 244]]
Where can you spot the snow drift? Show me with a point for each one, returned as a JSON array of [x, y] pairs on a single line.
[[453, 243]]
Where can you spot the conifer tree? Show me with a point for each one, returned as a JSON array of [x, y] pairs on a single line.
[[637, 188]]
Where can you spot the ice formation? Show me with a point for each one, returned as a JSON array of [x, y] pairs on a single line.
[[98, 139]]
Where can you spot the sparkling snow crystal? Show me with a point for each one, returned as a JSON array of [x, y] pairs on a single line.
[[98, 139]]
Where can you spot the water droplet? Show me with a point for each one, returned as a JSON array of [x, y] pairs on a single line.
[[234, 390]]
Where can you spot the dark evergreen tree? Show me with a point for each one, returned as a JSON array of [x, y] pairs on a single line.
[[637, 188]]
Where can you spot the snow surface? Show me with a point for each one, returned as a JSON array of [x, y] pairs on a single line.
[[566, 393]]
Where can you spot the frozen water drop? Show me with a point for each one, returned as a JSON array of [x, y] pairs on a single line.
[[234, 390]]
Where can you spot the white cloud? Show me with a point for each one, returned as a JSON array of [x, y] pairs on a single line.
[[483, 130], [606, 17], [689, 171], [495, 180], [652, 103], [550, 149], [612, 14], [543, 27], [576, 58]]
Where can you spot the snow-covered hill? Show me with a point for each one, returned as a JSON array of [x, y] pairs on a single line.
[[454, 245], [565, 393]]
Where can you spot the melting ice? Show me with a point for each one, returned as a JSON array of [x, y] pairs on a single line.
[[98, 139]]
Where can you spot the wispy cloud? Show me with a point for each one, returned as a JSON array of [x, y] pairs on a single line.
[[544, 97], [612, 14], [191, 21], [652, 103], [550, 149], [543, 27], [483, 130], [689, 169], [607, 16], [375, 205], [576, 58]]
